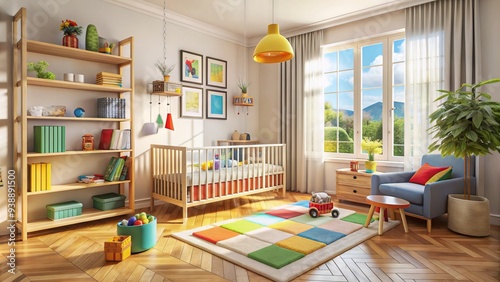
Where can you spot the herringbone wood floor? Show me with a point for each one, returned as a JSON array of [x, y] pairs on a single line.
[[76, 253]]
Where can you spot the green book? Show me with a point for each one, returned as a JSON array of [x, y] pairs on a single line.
[[118, 169], [53, 139], [63, 139], [48, 139], [109, 169], [38, 135]]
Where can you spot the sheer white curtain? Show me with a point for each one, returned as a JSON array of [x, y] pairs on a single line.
[[302, 114], [442, 52]]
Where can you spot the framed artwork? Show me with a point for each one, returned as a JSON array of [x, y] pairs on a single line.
[[192, 67], [216, 72], [216, 104], [192, 102]]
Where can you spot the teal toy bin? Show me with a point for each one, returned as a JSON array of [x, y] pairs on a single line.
[[143, 236]]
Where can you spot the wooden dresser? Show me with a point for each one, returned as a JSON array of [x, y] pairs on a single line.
[[353, 186]]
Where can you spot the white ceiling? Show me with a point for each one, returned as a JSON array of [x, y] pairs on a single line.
[[251, 17]]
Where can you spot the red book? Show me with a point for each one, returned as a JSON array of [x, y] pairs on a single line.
[[105, 141]]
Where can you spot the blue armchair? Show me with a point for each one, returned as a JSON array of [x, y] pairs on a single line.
[[426, 201]]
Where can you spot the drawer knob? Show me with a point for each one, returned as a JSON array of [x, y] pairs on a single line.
[[355, 191], [354, 177]]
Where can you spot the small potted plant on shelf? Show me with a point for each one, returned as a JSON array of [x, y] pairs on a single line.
[[466, 125], [243, 85], [372, 148], [165, 69], [39, 68]]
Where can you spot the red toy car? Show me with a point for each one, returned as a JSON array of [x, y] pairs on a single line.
[[316, 209]]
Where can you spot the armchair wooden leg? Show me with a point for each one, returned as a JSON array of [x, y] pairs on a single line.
[[429, 225]]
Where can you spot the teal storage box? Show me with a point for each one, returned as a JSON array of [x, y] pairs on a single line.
[[143, 236], [64, 210], [108, 201]]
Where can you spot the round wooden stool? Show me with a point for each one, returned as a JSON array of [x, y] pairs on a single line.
[[384, 203]]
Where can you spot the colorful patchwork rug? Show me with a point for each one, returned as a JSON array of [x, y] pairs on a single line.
[[284, 242]]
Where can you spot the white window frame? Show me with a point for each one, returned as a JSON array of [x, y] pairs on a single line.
[[387, 99]]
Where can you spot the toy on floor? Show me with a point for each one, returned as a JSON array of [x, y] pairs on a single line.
[[321, 203]]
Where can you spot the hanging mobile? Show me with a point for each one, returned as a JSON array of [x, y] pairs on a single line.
[[159, 119], [169, 124], [150, 127]]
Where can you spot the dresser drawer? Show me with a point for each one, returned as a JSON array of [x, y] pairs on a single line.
[[357, 180], [353, 186], [351, 193]]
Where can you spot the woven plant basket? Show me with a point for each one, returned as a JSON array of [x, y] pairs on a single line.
[[469, 217]]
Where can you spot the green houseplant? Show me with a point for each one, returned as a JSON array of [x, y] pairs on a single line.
[[464, 126], [40, 69], [165, 70], [243, 85]]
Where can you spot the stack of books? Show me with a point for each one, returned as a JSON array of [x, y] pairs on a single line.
[[114, 139], [109, 79], [110, 107], [39, 177], [49, 138], [117, 169]]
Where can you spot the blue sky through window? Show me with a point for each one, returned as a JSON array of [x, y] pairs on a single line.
[[341, 81]]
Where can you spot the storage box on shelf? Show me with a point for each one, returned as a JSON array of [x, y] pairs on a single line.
[[23, 141], [64, 210], [108, 201]]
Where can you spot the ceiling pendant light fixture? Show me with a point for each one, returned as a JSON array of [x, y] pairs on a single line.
[[274, 47]]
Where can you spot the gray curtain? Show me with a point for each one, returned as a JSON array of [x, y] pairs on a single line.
[[301, 96], [442, 52]]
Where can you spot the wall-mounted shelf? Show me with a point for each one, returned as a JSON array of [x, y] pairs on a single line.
[[163, 88], [243, 100]]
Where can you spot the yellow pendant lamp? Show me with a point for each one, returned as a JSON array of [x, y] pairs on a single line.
[[274, 47]]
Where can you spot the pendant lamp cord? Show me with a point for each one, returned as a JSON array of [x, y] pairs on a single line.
[[165, 32], [273, 12], [150, 108], [159, 105]]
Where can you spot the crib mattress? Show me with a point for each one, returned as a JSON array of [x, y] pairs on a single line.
[[196, 176]]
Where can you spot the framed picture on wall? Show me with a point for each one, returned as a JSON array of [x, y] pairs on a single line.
[[192, 67], [191, 102], [216, 104], [216, 72]]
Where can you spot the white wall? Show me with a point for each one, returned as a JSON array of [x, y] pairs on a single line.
[[116, 23]]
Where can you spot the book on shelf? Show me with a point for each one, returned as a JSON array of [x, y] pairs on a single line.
[[32, 177], [49, 138], [114, 139], [39, 177], [109, 168], [124, 173], [114, 169], [124, 140], [105, 140], [119, 168]]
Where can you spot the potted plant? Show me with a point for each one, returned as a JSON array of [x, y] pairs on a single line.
[[465, 126], [39, 68], [243, 85], [165, 70], [372, 148]]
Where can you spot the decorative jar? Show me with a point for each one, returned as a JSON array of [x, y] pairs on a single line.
[[70, 40]]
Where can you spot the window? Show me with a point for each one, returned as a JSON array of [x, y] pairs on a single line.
[[364, 96]]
